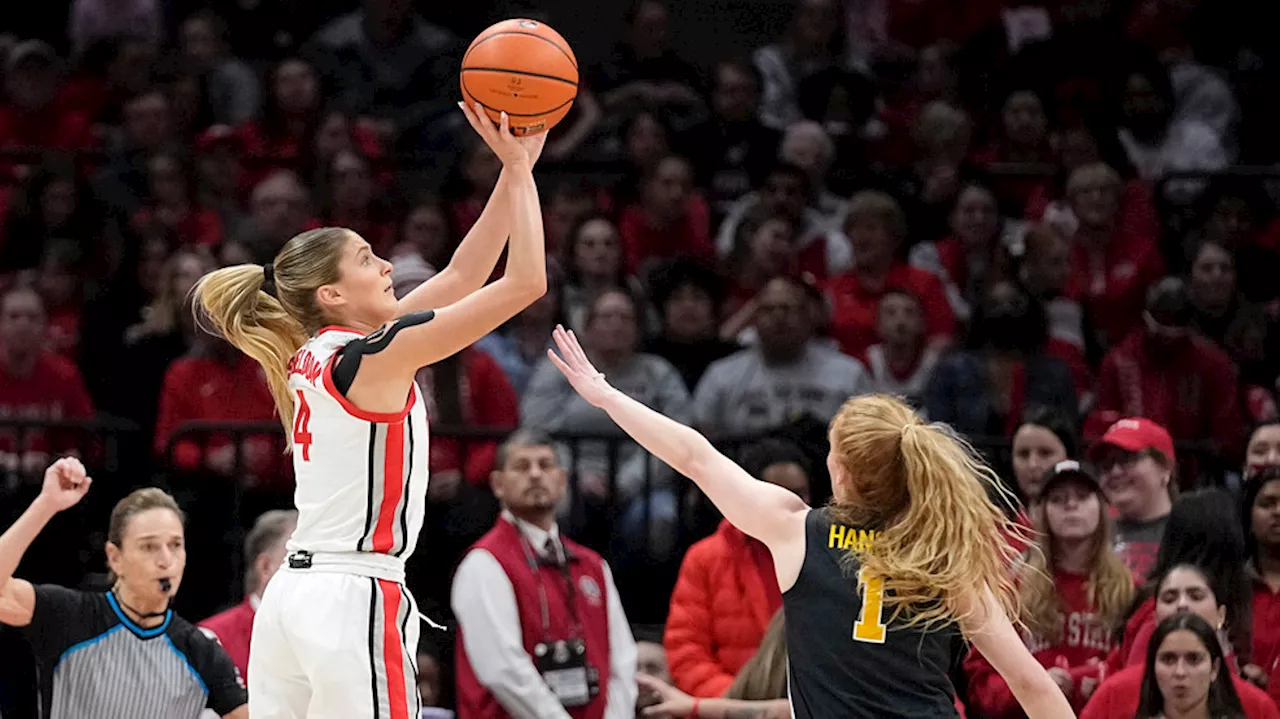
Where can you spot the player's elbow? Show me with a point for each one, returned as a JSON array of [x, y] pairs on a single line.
[[1032, 681]]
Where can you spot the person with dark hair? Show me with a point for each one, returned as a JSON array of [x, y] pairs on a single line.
[[1186, 674], [727, 590], [235, 92], [686, 295], [123, 652], [541, 629], [1262, 450], [1045, 437], [644, 69], [972, 255], [670, 219], [1165, 372], [1260, 515], [984, 389], [1182, 590]]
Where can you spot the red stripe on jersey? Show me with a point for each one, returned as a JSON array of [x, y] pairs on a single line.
[[354, 411], [393, 650], [384, 538]]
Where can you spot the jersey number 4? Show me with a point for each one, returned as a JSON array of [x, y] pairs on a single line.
[[301, 421], [870, 626]]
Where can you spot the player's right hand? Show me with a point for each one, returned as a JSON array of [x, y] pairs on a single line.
[[65, 483], [499, 138]]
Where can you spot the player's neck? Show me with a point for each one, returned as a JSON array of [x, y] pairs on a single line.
[[1073, 557], [542, 520]]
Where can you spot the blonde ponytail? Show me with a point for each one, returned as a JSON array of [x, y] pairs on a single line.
[[924, 490], [256, 323]]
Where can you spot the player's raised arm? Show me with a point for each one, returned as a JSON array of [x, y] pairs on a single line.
[[765, 511], [986, 625], [476, 256], [65, 483]]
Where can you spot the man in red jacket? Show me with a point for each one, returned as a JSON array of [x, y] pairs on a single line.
[[264, 552], [541, 630]]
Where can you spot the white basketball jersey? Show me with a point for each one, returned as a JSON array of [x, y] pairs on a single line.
[[361, 476]]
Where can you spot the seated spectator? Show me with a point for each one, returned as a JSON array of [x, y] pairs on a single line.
[[594, 264], [983, 390], [811, 42], [972, 256], [876, 226], [785, 375], [1260, 510], [1168, 374], [764, 249], [1110, 269], [62, 289], [1136, 460], [1262, 450], [625, 476], [235, 95], [727, 590], [352, 200], [499, 588], [1045, 438], [264, 553], [902, 362], [644, 69], [1023, 138], [171, 208], [807, 146], [1184, 591], [279, 208], [670, 220], [36, 385], [425, 232], [1211, 288], [31, 118], [1044, 272], [1074, 592], [686, 295], [1186, 673], [569, 203], [927, 185]]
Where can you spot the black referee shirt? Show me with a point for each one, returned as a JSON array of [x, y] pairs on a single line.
[[93, 661]]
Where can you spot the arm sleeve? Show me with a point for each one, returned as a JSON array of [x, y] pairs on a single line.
[[621, 702], [688, 638], [220, 676], [61, 617], [484, 603]]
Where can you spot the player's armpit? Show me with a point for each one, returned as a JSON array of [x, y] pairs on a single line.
[[17, 602]]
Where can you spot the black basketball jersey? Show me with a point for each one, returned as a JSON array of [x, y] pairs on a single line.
[[845, 657]]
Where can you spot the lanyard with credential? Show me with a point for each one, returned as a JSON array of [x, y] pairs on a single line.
[[563, 563]]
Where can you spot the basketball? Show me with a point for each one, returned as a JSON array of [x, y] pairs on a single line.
[[524, 68]]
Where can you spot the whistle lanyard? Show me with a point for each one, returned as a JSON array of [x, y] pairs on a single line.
[[562, 561]]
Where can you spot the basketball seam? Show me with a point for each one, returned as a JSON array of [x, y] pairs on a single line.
[[524, 114], [466, 70], [571, 59]]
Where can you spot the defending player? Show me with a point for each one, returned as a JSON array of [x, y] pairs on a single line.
[[336, 634], [876, 584]]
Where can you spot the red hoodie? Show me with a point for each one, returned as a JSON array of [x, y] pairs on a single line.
[[1084, 643], [1119, 697], [1266, 634]]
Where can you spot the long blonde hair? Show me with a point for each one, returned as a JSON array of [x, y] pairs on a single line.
[[764, 676], [271, 327], [1111, 586], [924, 490]]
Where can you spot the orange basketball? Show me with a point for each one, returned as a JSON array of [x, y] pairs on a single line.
[[524, 68]]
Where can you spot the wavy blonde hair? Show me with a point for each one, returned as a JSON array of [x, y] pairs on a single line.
[[1111, 587], [271, 328], [764, 676], [926, 492]]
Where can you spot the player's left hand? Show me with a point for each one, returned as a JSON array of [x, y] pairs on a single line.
[[671, 701], [574, 365]]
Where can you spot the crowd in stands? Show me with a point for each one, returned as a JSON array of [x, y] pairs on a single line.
[[1050, 224]]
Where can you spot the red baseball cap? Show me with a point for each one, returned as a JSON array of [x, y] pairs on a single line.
[[1134, 434]]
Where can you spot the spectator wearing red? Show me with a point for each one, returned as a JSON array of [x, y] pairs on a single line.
[[1023, 139], [935, 80], [171, 210], [876, 227], [31, 119], [264, 553], [1074, 592], [352, 200], [1136, 459], [1044, 271], [671, 219], [1261, 517], [971, 257], [902, 362], [764, 249], [1110, 269], [35, 385], [62, 290], [1186, 674], [985, 389], [727, 590], [219, 163], [468, 389], [216, 382], [1185, 588], [1167, 373]]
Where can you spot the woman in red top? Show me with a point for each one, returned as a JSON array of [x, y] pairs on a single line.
[[876, 227], [1260, 511], [1023, 139], [671, 219], [763, 249], [1186, 674], [972, 256], [1073, 592]]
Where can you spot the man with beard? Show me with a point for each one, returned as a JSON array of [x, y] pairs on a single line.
[[1165, 372], [541, 629]]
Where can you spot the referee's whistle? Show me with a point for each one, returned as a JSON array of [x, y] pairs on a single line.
[[166, 584]]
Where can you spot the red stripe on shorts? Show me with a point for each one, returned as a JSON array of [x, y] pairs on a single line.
[[393, 650], [384, 538]]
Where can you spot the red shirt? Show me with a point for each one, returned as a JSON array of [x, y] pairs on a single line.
[[1137, 209], [54, 390], [1112, 284], [198, 387], [689, 236], [1266, 634], [487, 399], [853, 306], [1084, 641], [1119, 696], [233, 629]]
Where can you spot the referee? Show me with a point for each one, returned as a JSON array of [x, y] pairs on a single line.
[[122, 654]]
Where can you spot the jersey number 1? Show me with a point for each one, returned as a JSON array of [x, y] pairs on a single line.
[[870, 625], [302, 420]]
